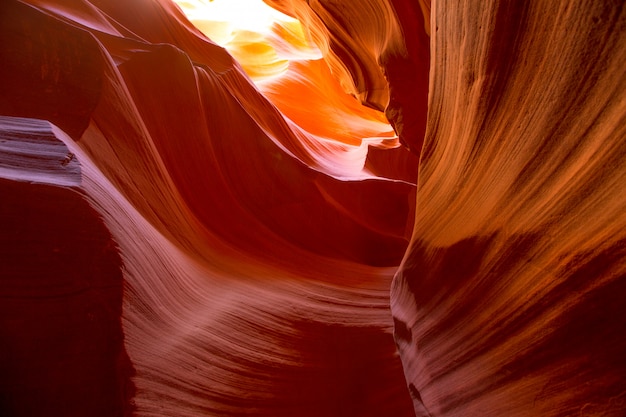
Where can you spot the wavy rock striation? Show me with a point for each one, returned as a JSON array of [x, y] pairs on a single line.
[[379, 50], [180, 241], [509, 299], [256, 256], [61, 347]]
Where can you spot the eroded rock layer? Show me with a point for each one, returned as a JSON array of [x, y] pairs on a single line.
[[509, 300], [379, 50], [177, 240], [61, 348], [256, 255]]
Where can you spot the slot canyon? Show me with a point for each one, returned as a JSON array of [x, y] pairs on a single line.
[[337, 208]]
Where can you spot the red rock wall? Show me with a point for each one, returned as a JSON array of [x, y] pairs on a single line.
[[509, 300], [257, 258], [380, 52], [61, 341], [257, 254]]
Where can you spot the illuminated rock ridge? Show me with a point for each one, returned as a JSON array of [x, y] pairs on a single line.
[[178, 241]]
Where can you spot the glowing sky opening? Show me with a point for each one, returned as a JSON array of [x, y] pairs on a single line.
[[261, 38], [279, 56], [250, 15]]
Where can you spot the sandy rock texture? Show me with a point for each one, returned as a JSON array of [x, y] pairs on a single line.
[[178, 240]]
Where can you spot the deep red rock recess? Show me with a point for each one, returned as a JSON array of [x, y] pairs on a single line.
[[174, 242]]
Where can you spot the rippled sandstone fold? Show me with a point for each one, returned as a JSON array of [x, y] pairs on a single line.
[[509, 300], [148, 182], [256, 257], [61, 348], [379, 50]]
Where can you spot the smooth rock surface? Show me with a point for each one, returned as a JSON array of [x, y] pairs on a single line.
[[178, 240]]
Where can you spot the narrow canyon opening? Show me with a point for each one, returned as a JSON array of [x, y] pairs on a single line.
[[328, 209]]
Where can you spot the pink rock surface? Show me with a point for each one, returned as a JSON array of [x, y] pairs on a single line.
[[257, 258], [509, 298], [180, 241], [61, 349]]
